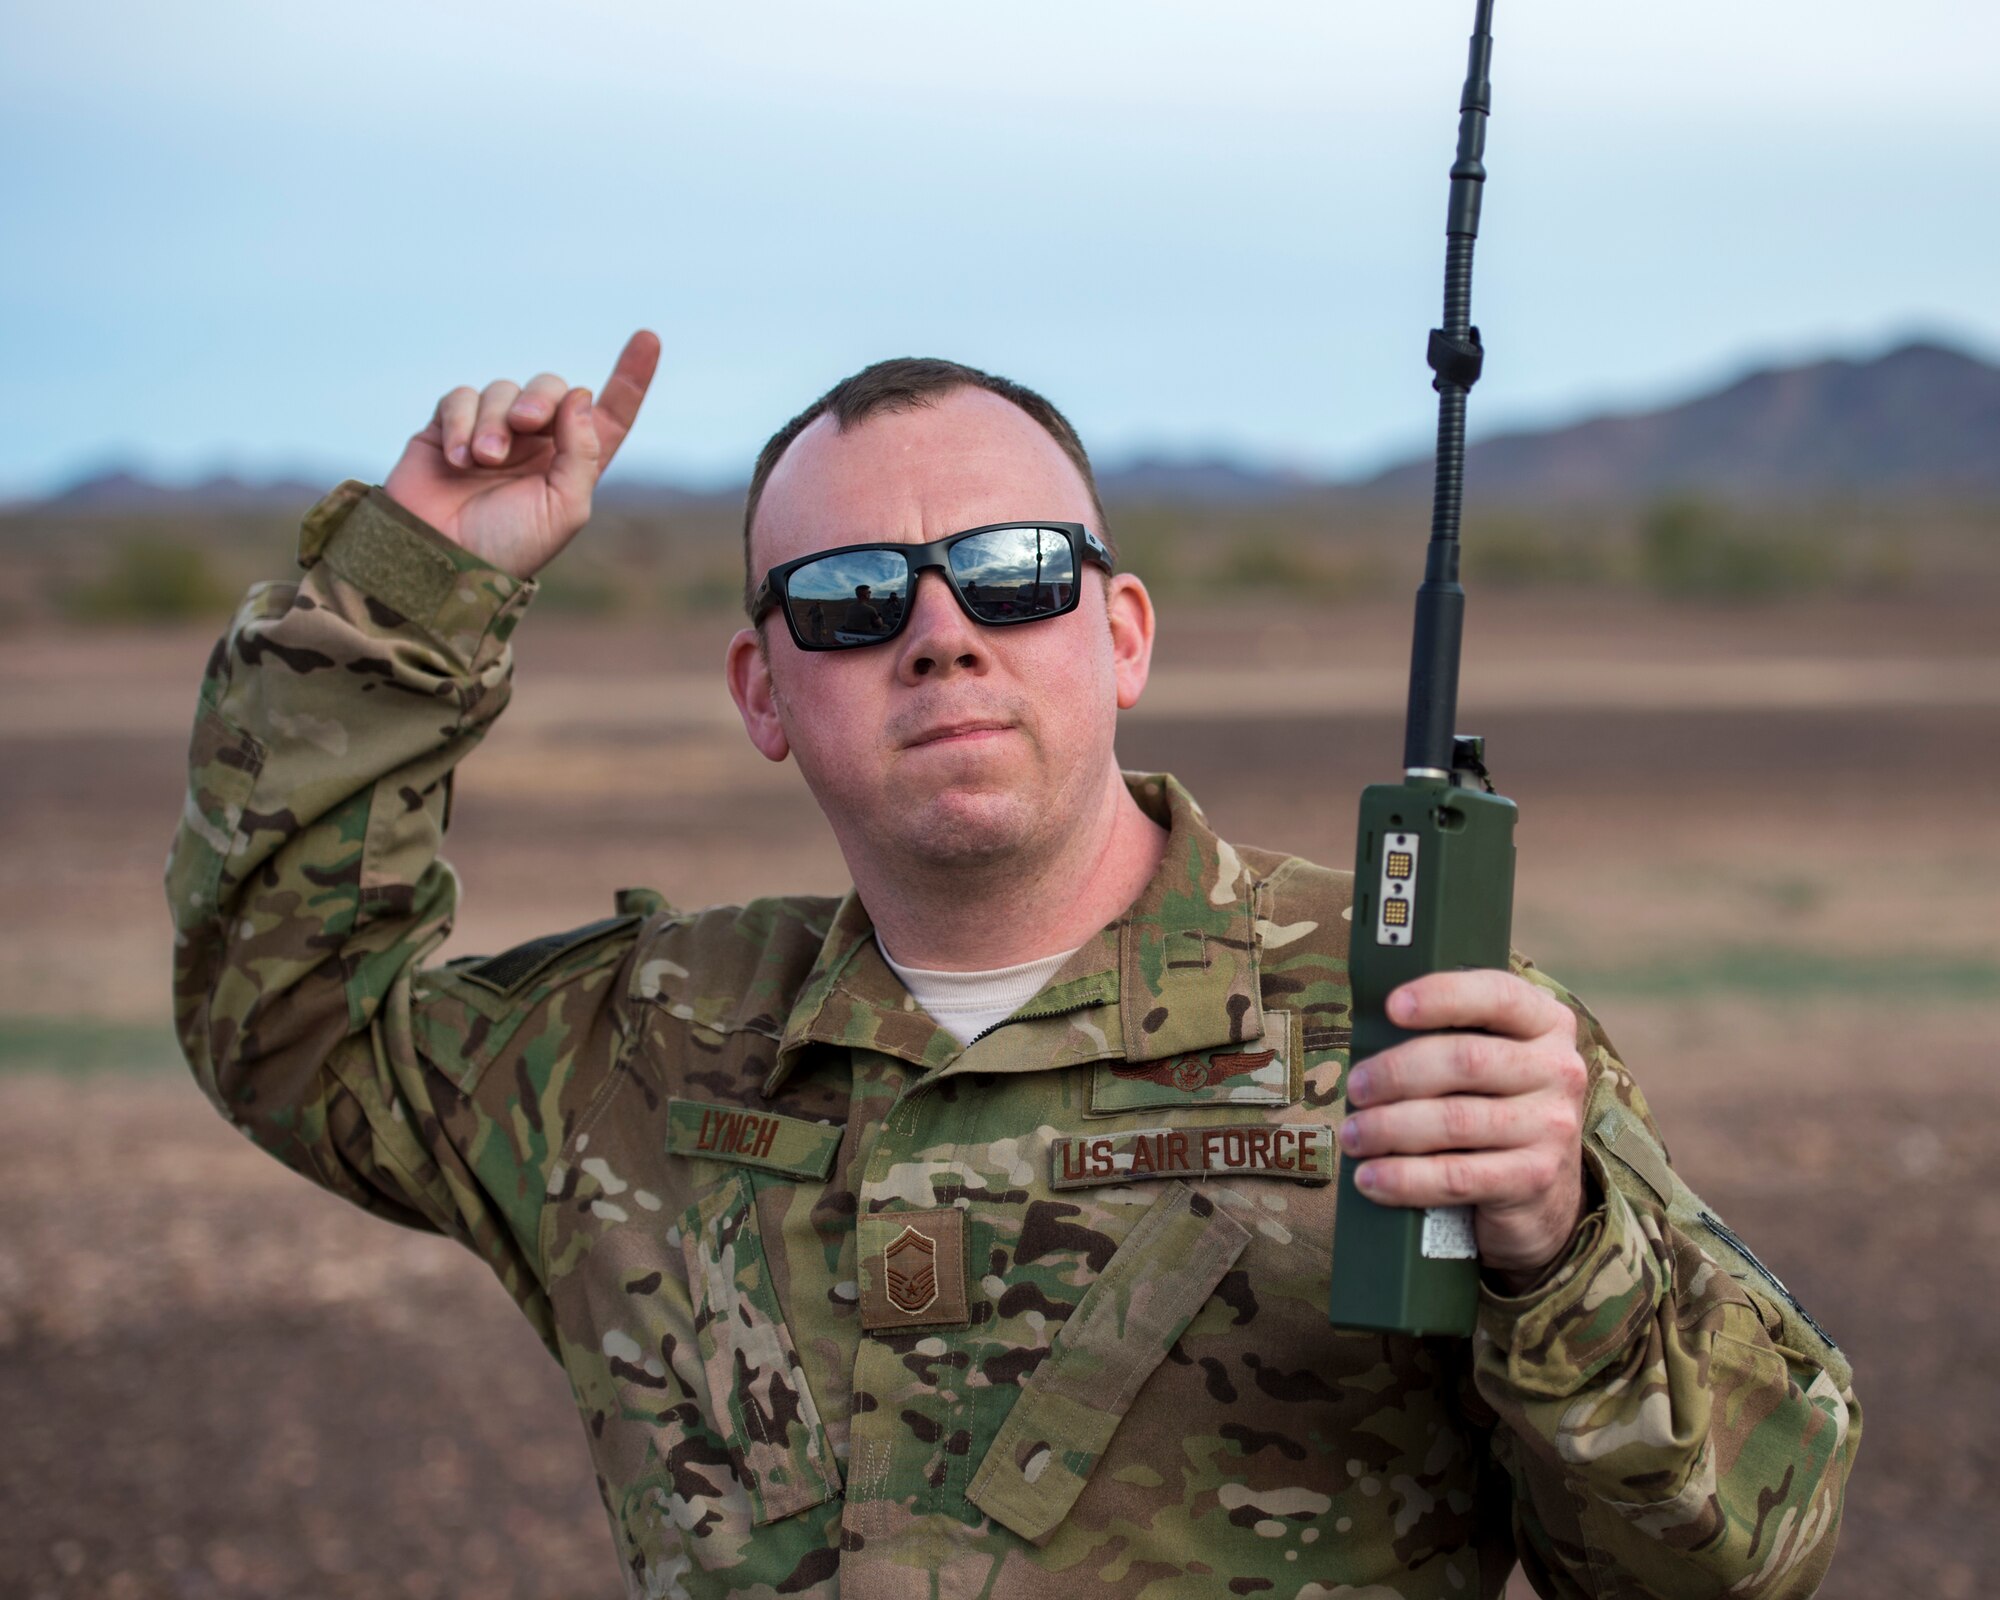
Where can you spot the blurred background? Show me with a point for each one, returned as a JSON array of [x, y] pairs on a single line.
[[1733, 548]]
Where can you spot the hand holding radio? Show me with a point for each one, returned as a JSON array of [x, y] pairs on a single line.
[[1482, 1108]]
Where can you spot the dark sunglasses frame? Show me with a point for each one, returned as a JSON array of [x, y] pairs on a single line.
[[774, 593]]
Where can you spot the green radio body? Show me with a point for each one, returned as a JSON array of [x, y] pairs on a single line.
[[1433, 892], [1434, 854]]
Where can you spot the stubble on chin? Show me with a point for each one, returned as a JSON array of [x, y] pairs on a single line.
[[970, 812], [961, 831], [966, 816]]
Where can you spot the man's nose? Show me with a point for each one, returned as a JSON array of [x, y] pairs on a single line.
[[940, 638]]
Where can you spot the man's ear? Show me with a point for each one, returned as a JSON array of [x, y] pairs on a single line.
[[748, 669], [1129, 610]]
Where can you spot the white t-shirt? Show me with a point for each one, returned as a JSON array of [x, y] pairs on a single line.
[[966, 1004]]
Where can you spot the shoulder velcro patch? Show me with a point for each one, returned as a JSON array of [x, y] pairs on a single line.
[[1718, 1229], [512, 970]]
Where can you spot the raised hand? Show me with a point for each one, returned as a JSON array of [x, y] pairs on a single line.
[[507, 473]]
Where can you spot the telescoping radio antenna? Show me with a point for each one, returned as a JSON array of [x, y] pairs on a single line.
[[1434, 854]]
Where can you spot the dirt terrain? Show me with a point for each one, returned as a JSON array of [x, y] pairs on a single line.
[[1764, 843]]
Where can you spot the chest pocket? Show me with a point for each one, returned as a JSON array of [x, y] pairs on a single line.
[[758, 1393], [1268, 1072], [1122, 1329], [1231, 1112]]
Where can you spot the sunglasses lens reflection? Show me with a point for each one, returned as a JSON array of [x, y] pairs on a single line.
[[1014, 574], [849, 599]]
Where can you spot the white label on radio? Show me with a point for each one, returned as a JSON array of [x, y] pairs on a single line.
[[1448, 1234]]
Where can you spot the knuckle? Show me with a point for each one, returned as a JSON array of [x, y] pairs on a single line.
[[1455, 1172], [1574, 1075], [1542, 1168], [1462, 1118], [1476, 1053]]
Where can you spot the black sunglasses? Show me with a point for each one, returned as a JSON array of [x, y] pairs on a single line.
[[860, 594]]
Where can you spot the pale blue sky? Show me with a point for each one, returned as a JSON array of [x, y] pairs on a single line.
[[261, 235]]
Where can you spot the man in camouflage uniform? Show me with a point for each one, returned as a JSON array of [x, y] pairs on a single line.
[[844, 1301]]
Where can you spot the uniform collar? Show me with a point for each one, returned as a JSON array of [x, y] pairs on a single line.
[[1177, 973]]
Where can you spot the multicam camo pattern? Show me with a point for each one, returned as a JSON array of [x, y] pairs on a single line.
[[776, 1439], [1143, 1397]]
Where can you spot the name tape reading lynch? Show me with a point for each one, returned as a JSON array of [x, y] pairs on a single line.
[[765, 1139], [1300, 1151]]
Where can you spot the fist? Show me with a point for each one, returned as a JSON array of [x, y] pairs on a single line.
[[508, 472], [1485, 1111]]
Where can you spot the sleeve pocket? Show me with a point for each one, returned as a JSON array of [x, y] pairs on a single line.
[[1123, 1328], [757, 1390], [1618, 1132], [223, 765]]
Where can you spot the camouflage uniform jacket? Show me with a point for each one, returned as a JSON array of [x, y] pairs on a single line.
[[844, 1303]]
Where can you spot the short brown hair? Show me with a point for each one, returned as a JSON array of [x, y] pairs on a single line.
[[903, 384]]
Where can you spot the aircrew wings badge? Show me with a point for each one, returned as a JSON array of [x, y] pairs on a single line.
[[1189, 1073], [1264, 1072]]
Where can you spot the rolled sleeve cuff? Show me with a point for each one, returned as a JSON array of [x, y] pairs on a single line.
[[404, 565], [1556, 1337]]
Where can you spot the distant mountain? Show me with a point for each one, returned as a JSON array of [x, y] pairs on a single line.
[[1922, 420], [617, 493], [1206, 481], [1213, 480], [120, 490]]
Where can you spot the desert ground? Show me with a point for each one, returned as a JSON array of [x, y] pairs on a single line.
[[1762, 841]]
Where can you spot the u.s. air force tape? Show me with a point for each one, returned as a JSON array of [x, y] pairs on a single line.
[[1300, 1151], [764, 1139]]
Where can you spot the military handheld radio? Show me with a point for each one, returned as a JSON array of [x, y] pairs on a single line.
[[1434, 854]]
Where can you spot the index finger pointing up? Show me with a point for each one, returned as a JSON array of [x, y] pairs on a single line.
[[618, 401]]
